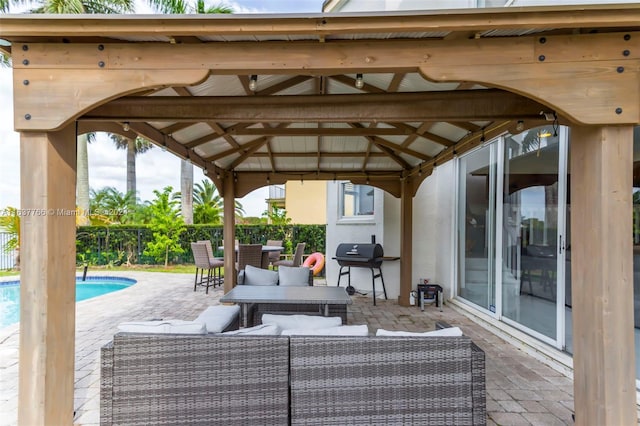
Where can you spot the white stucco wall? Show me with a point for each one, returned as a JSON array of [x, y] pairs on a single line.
[[433, 221], [354, 230]]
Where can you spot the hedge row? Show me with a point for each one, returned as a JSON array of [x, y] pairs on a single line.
[[118, 244]]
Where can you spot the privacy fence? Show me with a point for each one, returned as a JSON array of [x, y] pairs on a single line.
[[122, 244]]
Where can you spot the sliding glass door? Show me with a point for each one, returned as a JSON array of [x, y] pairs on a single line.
[[476, 227], [533, 232], [512, 231]]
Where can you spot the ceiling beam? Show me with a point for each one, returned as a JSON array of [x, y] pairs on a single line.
[[460, 105]]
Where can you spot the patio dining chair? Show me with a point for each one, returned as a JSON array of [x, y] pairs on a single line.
[[249, 254], [201, 260], [216, 262], [297, 257], [274, 256]]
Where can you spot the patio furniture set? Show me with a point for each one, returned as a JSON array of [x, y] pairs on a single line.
[[303, 367], [278, 380]]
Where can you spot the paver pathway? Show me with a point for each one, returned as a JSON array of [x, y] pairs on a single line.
[[520, 389]]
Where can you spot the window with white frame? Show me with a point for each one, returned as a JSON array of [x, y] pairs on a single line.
[[356, 200]]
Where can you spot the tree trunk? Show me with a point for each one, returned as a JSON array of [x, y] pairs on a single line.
[[131, 166], [166, 257], [82, 180], [186, 190]]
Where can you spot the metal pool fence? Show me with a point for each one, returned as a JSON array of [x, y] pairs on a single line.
[[7, 259]]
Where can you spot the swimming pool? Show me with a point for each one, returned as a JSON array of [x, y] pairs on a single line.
[[92, 287]]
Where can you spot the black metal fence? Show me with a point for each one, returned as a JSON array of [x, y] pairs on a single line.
[[7, 259]]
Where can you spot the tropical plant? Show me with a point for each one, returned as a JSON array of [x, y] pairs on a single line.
[[186, 167], [166, 225], [74, 7], [133, 147], [208, 204], [277, 216], [10, 223]]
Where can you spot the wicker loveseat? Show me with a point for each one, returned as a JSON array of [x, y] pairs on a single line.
[[279, 380]]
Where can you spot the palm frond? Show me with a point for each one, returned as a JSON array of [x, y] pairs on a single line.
[[169, 6], [63, 6]]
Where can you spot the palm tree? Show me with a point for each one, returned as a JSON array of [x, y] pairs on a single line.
[[134, 147], [82, 176], [208, 204], [186, 168], [75, 7]]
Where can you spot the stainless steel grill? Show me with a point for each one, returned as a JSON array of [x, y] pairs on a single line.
[[361, 255]]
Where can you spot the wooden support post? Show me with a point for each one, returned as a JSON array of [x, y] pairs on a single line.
[[602, 275], [47, 279], [406, 240], [229, 233]]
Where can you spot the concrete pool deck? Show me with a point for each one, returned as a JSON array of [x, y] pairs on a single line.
[[520, 389]]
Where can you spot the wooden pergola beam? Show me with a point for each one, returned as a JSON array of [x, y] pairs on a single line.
[[322, 25], [458, 105]]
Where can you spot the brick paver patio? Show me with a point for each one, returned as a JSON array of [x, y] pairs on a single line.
[[520, 389]]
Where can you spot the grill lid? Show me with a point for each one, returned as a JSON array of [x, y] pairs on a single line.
[[359, 251]]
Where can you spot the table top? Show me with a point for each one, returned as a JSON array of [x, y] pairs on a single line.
[[287, 294], [264, 248]]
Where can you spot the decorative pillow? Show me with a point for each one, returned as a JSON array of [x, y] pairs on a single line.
[[257, 276], [218, 317], [286, 322], [173, 326], [451, 331], [343, 330], [293, 275], [258, 330]]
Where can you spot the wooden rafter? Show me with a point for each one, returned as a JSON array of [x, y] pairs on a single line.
[[388, 148], [470, 127], [283, 85], [367, 155], [421, 131], [394, 85]]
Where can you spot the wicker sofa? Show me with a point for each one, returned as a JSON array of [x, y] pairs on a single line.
[[280, 380]]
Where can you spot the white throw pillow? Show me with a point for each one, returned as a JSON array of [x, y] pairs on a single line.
[[293, 275], [257, 276], [286, 322], [451, 331], [258, 330], [343, 330], [218, 317], [173, 326]]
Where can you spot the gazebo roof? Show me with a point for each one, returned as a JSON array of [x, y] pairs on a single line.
[[307, 116]]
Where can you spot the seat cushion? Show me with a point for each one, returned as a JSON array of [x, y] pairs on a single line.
[[286, 322], [343, 330], [258, 330], [172, 326], [451, 331], [293, 276], [218, 317], [257, 276]]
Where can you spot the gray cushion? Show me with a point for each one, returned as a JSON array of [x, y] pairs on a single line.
[[293, 276], [172, 326], [218, 317], [257, 276], [286, 322]]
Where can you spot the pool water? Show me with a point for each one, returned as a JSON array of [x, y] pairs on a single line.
[[92, 287]]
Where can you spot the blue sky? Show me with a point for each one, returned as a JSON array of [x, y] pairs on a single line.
[[155, 169]]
